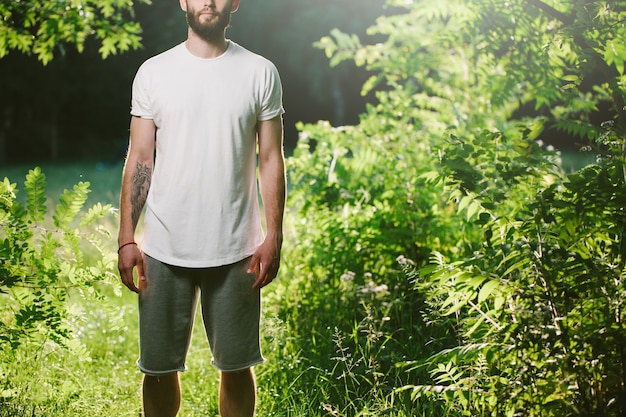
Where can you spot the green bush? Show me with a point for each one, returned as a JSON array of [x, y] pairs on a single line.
[[539, 307], [442, 263], [46, 256]]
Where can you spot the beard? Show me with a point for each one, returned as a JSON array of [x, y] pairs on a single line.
[[209, 30]]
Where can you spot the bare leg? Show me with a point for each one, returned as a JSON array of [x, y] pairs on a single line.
[[237, 393], [161, 395]]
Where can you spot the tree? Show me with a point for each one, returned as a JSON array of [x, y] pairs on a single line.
[[45, 27], [76, 105], [558, 60]]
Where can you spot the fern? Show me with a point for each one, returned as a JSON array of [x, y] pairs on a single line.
[[70, 204], [40, 263], [95, 213], [35, 186], [578, 129]]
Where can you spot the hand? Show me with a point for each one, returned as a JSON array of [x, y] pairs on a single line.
[[265, 263], [129, 258]]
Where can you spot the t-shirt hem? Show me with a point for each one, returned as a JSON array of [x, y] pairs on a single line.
[[207, 263]]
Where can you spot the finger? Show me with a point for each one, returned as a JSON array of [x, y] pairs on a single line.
[[260, 280], [261, 276], [253, 265], [259, 283], [126, 273], [141, 275], [130, 283], [266, 275]]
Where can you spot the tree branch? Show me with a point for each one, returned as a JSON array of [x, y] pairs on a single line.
[[565, 19]]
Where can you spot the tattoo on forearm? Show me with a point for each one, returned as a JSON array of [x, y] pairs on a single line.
[[139, 191]]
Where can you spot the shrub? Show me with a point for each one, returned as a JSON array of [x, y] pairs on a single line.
[[538, 308], [45, 257], [448, 165]]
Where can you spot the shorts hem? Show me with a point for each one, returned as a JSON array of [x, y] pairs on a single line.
[[235, 368], [159, 373]]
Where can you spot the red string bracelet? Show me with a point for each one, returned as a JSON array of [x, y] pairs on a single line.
[[125, 244]]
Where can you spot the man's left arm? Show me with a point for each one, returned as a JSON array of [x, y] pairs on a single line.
[[266, 260]]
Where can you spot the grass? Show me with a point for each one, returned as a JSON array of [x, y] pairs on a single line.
[[98, 376]]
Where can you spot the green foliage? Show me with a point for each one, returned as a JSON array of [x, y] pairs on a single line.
[[539, 306], [44, 27], [446, 263], [43, 261], [475, 63], [438, 260]]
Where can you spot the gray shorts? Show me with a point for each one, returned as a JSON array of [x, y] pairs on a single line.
[[231, 311]]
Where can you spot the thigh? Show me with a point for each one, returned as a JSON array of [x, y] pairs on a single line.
[[167, 307], [231, 311]]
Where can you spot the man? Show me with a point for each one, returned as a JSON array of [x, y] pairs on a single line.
[[199, 112]]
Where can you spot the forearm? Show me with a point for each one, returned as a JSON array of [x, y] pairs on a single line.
[[272, 178], [273, 192], [136, 182], [136, 177]]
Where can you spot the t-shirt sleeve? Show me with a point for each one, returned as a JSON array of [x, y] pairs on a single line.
[[140, 102], [272, 95]]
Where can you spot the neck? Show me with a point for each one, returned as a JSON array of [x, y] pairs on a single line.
[[206, 48]]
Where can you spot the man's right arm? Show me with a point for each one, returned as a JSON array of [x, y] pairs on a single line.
[[136, 180]]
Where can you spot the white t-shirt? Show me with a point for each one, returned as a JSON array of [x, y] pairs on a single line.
[[202, 208]]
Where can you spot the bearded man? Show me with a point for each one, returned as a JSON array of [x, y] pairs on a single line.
[[199, 113]]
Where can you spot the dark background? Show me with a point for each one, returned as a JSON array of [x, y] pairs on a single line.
[[77, 106]]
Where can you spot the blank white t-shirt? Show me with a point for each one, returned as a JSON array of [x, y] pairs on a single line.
[[202, 208]]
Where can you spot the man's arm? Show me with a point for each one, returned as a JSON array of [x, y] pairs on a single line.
[[266, 260], [136, 180]]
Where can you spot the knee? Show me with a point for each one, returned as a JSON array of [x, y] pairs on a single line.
[[243, 373], [237, 378], [161, 379]]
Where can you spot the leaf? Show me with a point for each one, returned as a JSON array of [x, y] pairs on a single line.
[[474, 207], [7, 196], [465, 201], [479, 322], [35, 187], [487, 289], [458, 303], [107, 48], [431, 177], [70, 204], [615, 53], [498, 302], [95, 213]]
